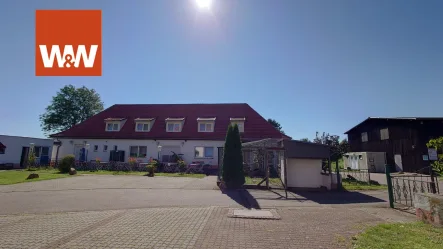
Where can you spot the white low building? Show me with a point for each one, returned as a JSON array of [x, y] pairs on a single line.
[[308, 166], [14, 150]]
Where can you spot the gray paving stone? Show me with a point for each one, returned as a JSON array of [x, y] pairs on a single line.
[[197, 227]]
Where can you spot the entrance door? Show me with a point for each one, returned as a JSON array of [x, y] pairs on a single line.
[[398, 163], [354, 162], [167, 150], [44, 156], [78, 151], [24, 157]]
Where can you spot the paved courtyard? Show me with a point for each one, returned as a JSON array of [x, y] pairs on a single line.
[[160, 212], [205, 227]]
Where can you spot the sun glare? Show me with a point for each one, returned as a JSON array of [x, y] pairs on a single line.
[[203, 4]]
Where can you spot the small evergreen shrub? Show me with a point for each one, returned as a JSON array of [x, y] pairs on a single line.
[[232, 168], [31, 160], [66, 163]]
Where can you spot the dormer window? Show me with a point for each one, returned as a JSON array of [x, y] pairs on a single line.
[[142, 127], [174, 127], [112, 127], [114, 124], [174, 124], [240, 123], [143, 124], [205, 127], [206, 124]]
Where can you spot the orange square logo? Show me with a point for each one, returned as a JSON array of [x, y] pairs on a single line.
[[68, 43]]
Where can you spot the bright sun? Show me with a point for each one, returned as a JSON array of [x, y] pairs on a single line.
[[203, 4]]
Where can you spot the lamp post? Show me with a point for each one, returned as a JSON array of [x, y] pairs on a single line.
[[57, 143], [159, 150], [86, 152]]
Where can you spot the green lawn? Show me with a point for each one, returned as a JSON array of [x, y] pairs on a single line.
[[341, 165], [18, 176], [349, 185], [415, 235], [257, 180], [108, 172]]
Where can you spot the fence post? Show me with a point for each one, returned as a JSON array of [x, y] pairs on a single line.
[[389, 182], [369, 177], [433, 189], [337, 171]]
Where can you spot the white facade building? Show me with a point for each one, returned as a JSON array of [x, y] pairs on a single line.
[[15, 150], [142, 150]]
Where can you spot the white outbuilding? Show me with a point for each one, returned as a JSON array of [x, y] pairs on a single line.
[[14, 151]]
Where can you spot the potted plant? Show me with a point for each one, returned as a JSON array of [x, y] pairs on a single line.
[[132, 161], [181, 166], [31, 160], [152, 167]]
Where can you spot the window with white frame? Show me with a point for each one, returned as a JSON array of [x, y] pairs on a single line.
[[204, 152], [95, 147], [41, 151], [205, 127], [138, 151], [384, 134], [112, 126], [364, 136], [142, 126], [105, 148], [173, 127], [241, 126]]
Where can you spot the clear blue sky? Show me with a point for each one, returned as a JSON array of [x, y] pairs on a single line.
[[311, 65]]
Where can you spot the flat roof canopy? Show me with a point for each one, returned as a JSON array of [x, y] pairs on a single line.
[[267, 143], [306, 150]]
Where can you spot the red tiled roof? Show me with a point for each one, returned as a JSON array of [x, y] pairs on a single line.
[[256, 127]]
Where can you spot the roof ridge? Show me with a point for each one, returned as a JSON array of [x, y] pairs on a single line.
[[191, 104]]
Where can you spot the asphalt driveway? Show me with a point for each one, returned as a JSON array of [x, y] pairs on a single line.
[[108, 192], [94, 182]]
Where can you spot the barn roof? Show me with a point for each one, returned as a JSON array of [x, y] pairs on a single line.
[[396, 118]]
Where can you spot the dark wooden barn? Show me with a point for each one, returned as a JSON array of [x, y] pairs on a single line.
[[402, 139]]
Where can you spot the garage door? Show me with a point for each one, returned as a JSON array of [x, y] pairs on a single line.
[[304, 173]]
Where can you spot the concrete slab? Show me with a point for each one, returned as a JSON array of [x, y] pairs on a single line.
[[252, 213], [268, 214]]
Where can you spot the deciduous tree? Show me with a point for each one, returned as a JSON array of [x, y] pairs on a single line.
[[69, 107], [276, 124], [437, 144]]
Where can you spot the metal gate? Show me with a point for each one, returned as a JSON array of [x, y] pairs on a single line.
[[403, 186], [260, 165], [220, 162]]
